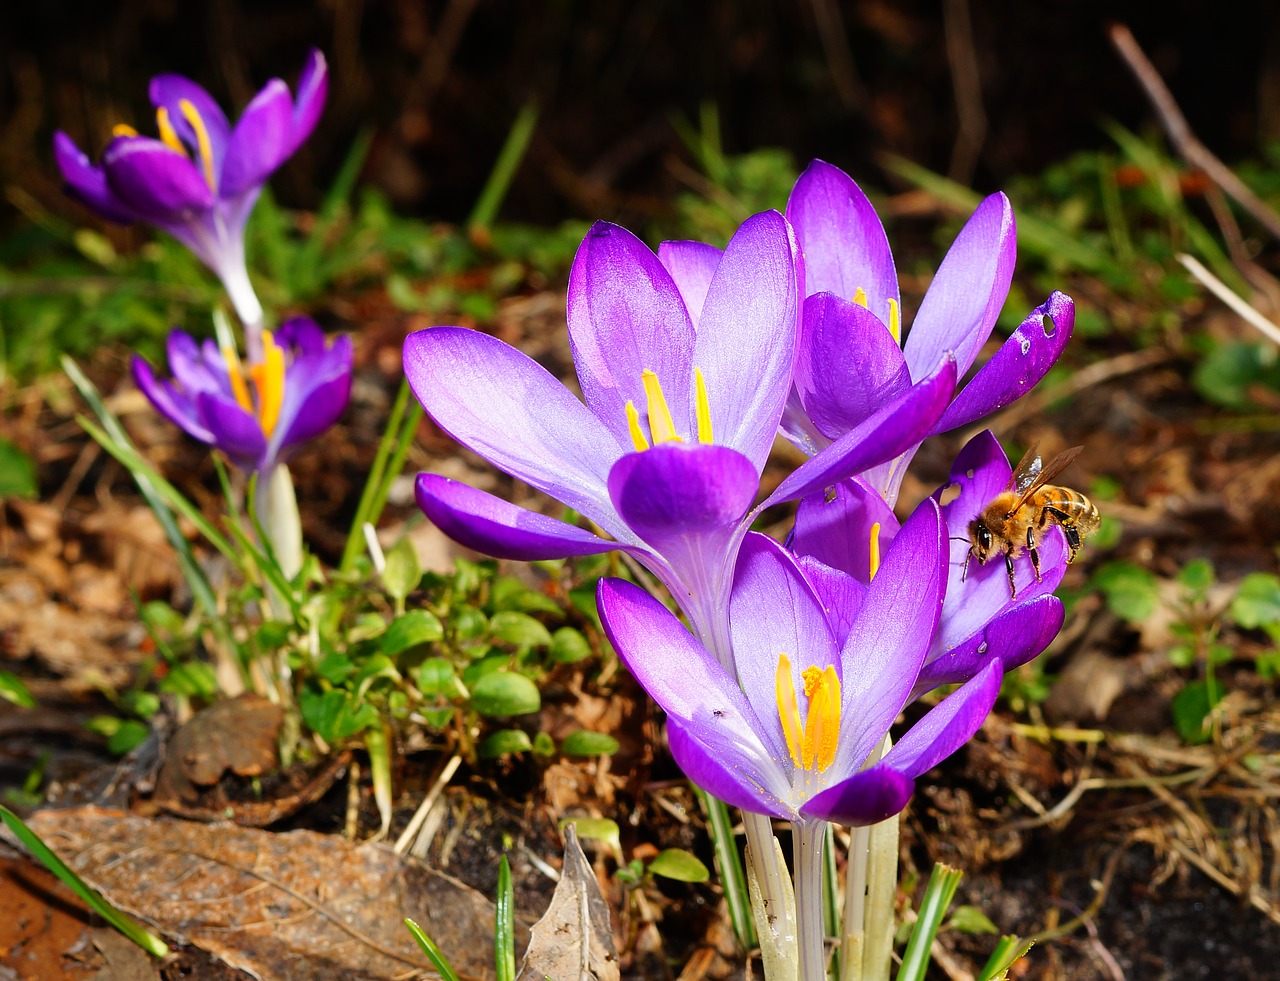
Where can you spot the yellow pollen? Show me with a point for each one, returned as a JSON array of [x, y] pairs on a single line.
[[875, 549], [704, 407], [268, 378], [895, 320], [238, 386], [122, 129], [168, 135], [633, 425], [812, 744], [190, 114], [661, 426], [860, 297]]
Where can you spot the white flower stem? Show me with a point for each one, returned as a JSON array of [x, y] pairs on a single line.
[[808, 837], [854, 940], [774, 910], [882, 887]]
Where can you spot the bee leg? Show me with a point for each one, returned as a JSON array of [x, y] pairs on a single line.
[[964, 569], [1013, 587], [1034, 553], [1073, 541]]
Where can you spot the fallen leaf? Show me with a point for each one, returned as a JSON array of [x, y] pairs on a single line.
[[237, 734], [573, 941], [299, 906]]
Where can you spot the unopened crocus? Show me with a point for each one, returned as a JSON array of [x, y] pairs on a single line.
[[256, 414], [684, 360], [852, 357], [839, 538], [200, 179]]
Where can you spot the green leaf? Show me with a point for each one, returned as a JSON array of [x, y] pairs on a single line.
[[504, 928], [143, 704], [1257, 602], [130, 927], [378, 667], [1196, 575], [1131, 591], [195, 679], [1191, 708], [413, 629], [13, 690], [601, 829], [569, 646], [509, 593], [519, 629], [335, 715], [128, 735], [677, 864], [403, 571], [438, 960], [336, 668], [17, 473], [435, 676], [970, 919], [469, 623], [586, 743], [504, 693], [544, 745], [505, 741]]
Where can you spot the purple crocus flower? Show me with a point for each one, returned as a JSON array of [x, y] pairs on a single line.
[[684, 361], [790, 734], [201, 178], [256, 414], [840, 537], [851, 358]]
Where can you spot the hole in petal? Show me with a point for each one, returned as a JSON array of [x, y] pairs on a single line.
[[949, 493], [1050, 328], [1026, 344]]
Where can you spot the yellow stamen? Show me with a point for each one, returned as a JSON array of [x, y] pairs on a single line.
[[661, 426], [788, 710], [121, 129], [238, 386], [895, 320], [190, 114], [875, 549], [704, 407], [812, 744], [633, 424], [168, 135], [860, 297], [268, 378]]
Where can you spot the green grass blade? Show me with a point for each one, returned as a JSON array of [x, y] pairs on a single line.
[[732, 878], [504, 926], [373, 483], [304, 278], [1008, 951], [438, 960], [126, 924], [504, 168], [938, 894], [396, 464]]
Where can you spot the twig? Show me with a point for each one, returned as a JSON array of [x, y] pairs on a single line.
[[407, 837], [1224, 293], [966, 81], [1186, 143], [835, 45]]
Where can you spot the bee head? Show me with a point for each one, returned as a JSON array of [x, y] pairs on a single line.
[[979, 541]]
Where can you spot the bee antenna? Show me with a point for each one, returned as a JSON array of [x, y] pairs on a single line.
[[958, 538]]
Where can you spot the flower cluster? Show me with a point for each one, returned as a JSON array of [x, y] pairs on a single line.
[[690, 361]]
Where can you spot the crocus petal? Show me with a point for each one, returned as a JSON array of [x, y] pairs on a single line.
[[1022, 360], [685, 500], [868, 797], [317, 389], [774, 610], [844, 245], [234, 431], [170, 91], [692, 266], [302, 334], [513, 412], [965, 297], [746, 341], [835, 528], [717, 766], [688, 683], [313, 89], [1012, 638], [499, 528], [189, 368], [626, 317], [179, 409], [848, 365], [980, 471], [261, 141], [153, 179], [87, 182], [887, 644], [948, 725], [841, 595], [896, 428]]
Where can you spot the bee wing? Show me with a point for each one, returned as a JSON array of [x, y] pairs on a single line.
[[1028, 469], [1043, 474]]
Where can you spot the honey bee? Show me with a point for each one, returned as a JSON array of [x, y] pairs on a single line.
[[1012, 520]]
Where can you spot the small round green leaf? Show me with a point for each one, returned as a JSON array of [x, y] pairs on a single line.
[[505, 741], [1257, 602], [402, 572], [676, 863], [601, 829], [519, 629], [505, 693], [569, 646], [586, 743], [415, 628]]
